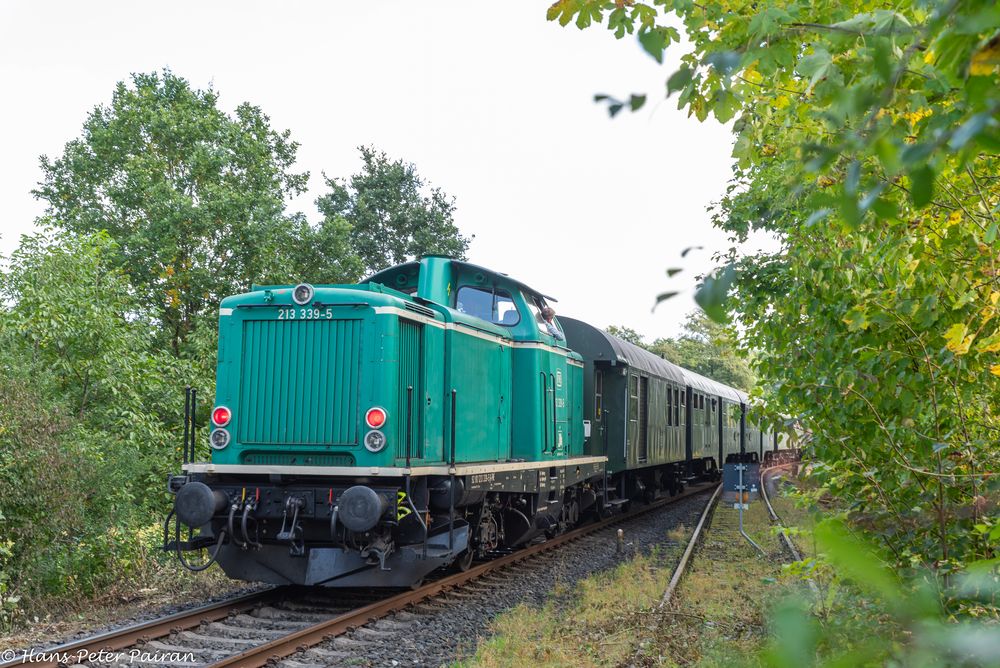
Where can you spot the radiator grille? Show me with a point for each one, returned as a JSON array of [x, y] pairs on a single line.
[[410, 334], [299, 383]]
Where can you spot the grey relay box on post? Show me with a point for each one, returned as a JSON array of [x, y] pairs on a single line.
[[731, 481]]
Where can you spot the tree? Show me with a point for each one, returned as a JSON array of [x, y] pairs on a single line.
[[88, 416], [626, 334], [393, 217], [193, 197], [867, 140], [708, 348]]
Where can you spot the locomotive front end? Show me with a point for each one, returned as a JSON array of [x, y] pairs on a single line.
[[320, 404]]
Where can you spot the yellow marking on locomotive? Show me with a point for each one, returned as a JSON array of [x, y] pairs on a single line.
[[402, 510]]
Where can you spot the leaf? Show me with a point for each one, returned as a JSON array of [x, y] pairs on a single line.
[[888, 155], [664, 296], [922, 186], [856, 319], [724, 62], [679, 79], [689, 249], [856, 559], [713, 292], [613, 109], [885, 209], [817, 216], [673, 271], [938, 447], [969, 130], [815, 66], [985, 60], [990, 344], [653, 42], [636, 101], [916, 153], [956, 340]]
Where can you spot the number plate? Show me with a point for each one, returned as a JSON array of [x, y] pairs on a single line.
[[304, 313]]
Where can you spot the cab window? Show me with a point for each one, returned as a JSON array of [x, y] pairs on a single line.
[[494, 306], [536, 312]]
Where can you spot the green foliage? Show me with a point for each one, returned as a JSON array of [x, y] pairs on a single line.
[[708, 348], [87, 419], [390, 216], [626, 334], [859, 591], [866, 141], [193, 197]]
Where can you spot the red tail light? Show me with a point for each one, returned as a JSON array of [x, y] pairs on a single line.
[[221, 416], [376, 417]]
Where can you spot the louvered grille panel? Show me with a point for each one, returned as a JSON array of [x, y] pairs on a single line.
[[299, 382], [409, 376]]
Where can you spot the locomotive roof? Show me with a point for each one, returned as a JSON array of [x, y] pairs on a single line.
[[380, 276], [596, 344]]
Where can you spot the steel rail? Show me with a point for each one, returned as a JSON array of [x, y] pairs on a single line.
[[135, 633], [679, 571], [781, 525], [300, 640], [774, 515]]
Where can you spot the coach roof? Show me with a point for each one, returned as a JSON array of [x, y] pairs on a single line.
[[597, 345]]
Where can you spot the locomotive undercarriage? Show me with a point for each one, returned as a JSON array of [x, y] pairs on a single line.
[[392, 532], [370, 531]]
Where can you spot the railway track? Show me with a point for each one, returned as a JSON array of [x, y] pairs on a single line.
[[765, 474], [268, 626]]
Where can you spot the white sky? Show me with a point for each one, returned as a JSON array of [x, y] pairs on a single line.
[[490, 101]]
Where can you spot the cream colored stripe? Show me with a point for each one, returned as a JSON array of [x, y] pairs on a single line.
[[387, 471]]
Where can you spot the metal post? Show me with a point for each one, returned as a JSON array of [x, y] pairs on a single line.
[[194, 422], [187, 422], [740, 487], [604, 431]]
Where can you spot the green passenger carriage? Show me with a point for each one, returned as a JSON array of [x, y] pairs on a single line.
[[437, 413]]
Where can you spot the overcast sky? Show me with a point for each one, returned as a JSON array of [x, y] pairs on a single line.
[[492, 103]]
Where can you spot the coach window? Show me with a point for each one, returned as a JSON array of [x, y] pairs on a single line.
[[670, 407], [494, 306], [598, 393], [677, 407]]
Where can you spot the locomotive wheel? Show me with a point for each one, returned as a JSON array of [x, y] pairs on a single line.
[[464, 561]]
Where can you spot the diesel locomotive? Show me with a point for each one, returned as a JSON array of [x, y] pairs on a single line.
[[433, 415]]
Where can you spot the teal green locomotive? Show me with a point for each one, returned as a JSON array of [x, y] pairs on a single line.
[[435, 414]]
